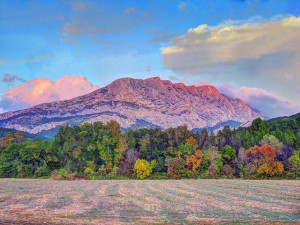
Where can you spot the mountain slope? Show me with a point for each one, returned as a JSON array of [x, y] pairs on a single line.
[[136, 103]]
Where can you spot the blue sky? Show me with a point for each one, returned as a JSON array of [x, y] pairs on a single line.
[[106, 40]]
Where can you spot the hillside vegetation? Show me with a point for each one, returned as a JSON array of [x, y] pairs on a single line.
[[4, 131], [266, 149]]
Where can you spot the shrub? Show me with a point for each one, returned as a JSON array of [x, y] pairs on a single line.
[[102, 170], [60, 174], [124, 167], [56, 176], [213, 169], [243, 170], [219, 164], [42, 171], [24, 171], [158, 176], [142, 168], [91, 168], [228, 171], [63, 172]]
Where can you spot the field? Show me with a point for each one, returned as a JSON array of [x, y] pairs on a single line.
[[149, 202]]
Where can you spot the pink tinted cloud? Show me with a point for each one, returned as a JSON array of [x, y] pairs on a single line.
[[262, 100], [41, 90]]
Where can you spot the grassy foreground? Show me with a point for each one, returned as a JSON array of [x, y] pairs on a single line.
[[149, 202]]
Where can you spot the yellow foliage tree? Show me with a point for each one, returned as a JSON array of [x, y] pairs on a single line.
[[271, 169], [193, 161], [143, 168]]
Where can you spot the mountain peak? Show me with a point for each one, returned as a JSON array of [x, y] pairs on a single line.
[[137, 103], [157, 78]]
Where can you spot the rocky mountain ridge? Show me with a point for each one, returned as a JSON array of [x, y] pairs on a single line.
[[136, 103]]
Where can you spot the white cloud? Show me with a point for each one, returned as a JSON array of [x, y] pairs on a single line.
[[229, 42], [264, 54]]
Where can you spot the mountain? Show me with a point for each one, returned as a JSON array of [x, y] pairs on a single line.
[[136, 103], [285, 123], [285, 118]]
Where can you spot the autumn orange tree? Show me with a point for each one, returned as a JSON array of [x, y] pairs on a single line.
[[192, 141], [271, 169], [193, 161], [261, 159]]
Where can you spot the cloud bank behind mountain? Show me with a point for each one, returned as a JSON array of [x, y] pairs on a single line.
[[41, 90]]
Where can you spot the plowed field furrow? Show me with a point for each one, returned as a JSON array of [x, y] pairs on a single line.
[[29, 201]]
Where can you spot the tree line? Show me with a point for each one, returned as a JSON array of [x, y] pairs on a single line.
[[266, 149]]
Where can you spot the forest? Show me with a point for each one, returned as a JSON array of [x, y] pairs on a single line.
[[264, 150]]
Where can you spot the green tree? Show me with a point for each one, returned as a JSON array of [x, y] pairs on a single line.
[[228, 154]]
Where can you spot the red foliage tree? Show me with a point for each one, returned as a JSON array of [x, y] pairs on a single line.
[[261, 159], [260, 154]]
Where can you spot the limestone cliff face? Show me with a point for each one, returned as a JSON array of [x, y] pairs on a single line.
[[136, 103]]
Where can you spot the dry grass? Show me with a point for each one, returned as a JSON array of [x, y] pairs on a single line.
[[149, 202]]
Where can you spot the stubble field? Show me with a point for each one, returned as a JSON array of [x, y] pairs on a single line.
[[149, 202]]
